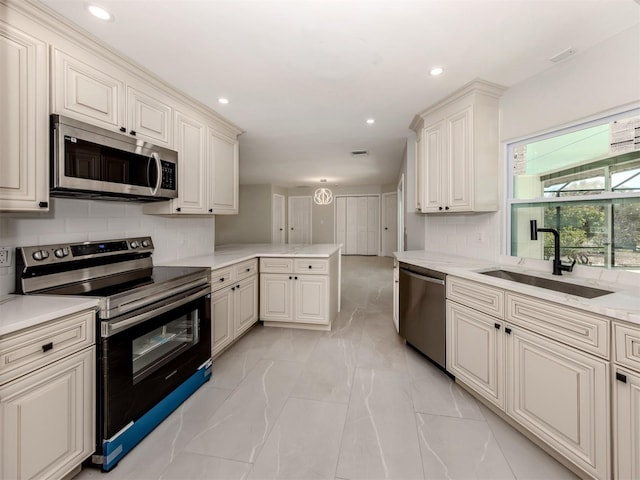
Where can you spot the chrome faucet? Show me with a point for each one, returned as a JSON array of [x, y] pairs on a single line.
[[558, 266]]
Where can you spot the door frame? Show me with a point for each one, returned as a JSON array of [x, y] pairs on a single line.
[[400, 232], [310, 216], [275, 234], [383, 249]]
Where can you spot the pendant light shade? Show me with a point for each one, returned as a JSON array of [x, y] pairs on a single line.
[[323, 196]]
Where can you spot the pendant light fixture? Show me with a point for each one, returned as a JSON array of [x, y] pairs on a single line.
[[323, 196]]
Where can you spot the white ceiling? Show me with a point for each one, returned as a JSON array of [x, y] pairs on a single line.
[[302, 76]]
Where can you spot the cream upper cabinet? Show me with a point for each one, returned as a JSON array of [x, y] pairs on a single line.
[[149, 118], [24, 145], [93, 90], [193, 169], [223, 159], [457, 151], [626, 401]]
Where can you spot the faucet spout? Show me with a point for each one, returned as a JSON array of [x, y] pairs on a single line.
[[558, 266]]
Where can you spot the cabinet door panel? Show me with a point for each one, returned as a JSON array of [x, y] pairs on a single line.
[[561, 395], [433, 174], [190, 144], [149, 118], [24, 164], [222, 325], [87, 93], [459, 191], [246, 306], [48, 419], [275, 297], [224, 181], [311, 299], [626, 404], [475, 351]]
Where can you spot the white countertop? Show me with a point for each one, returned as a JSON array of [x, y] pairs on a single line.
[[226, 255], [623, 304], [23, 311]]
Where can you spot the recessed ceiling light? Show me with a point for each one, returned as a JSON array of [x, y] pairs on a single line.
[[223, 100], [371, 121], [435, 71], [99, 12]]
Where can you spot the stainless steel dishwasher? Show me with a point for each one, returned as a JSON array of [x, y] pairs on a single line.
[[422, 311]]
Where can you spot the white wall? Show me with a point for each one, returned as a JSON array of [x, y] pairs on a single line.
[[414, 223], [253, 222], [72, 220], [601, 79]]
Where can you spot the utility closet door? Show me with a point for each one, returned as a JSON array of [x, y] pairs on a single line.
[[389, 223], [360, 217], [278, 226], [299, 219]]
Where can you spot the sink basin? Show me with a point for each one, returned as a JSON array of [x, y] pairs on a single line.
[[578, 290]]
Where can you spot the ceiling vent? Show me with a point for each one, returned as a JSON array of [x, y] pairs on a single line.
[[359, 153], [558, 57]]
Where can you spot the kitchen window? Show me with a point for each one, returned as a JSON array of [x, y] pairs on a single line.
[[583, 181]]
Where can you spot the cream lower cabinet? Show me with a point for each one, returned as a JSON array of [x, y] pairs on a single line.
[[24, 153], [510, 350], [234, 303], [626, 401], [300, 292], [48, 414], [475, 351], [561, 395]]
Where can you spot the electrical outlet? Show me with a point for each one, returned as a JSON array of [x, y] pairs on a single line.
[[5, 257]]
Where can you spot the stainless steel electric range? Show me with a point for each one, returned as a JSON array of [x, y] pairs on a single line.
[[154, 330]]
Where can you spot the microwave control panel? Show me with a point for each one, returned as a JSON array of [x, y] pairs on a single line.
[[168, 175]]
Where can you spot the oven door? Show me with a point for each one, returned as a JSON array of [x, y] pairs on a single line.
[[141, 364]]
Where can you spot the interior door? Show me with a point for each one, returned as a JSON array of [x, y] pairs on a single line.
[[351, 244], [299, 219], [341, 221], [389, 223], [373, 225], [278, 226]]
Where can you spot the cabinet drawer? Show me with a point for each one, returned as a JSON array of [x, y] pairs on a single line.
[[311, 265], [627, 346], [276, 265], [221, 278], [476, 295], [29, 350], [246, 269], [580, 329]]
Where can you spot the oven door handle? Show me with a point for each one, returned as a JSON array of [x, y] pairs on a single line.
[[109, 328], [135, 304]]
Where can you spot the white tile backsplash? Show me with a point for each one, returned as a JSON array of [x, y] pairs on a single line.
[[74, 220], [476, 235]]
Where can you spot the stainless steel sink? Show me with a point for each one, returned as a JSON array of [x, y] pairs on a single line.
[[578, 290]]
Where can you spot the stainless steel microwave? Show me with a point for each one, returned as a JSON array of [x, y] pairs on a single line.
[[91, 162]]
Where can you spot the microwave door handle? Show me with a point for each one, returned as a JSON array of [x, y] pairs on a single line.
[[156, 157]]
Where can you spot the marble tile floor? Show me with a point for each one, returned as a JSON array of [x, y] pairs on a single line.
[[353, 403]]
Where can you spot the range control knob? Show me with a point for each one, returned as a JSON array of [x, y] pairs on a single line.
[[134, 244], [59, 252], [40, 255], [146, 243]]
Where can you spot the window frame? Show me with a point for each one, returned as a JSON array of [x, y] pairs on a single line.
[[511, 145]]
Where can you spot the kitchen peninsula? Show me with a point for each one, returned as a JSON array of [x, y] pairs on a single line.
[[299, 287]]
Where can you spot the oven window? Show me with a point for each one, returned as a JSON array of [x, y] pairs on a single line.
[[155, 348]]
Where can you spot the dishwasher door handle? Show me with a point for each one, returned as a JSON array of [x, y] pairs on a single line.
[[422, 277]]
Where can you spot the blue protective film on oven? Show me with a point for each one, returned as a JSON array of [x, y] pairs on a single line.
[[117, 447]]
